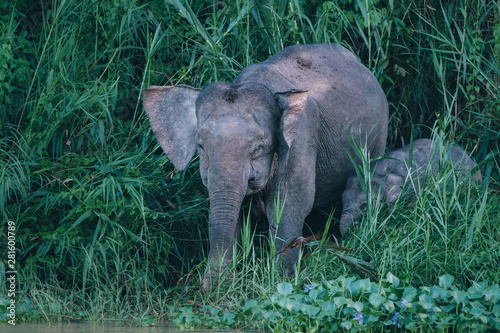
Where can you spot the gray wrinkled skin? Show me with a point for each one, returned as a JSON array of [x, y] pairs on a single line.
[[281, 130], [391, 173]]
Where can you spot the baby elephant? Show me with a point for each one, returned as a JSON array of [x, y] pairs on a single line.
[[391, 172]]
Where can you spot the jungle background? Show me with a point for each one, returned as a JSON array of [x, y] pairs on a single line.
[[104, 223]]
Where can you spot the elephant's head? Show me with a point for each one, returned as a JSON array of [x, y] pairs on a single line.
[[354, 198], [243, 134]]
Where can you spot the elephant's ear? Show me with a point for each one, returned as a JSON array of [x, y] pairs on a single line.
[[294, 103], [172, 114]]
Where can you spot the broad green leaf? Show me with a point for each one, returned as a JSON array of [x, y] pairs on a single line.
[[496, 323], [445, 281], [483, 284], [359, 286], [440, 293], [410, 293], [275, 298], [358, 306], [423, 316], [292, 305], [474, 292], [329, 307], [425, 301], [496, 311], [393, 279], [411, 326], [211, 309], [83, 217], [477, 308], [251, 304], [346, 324], [313, 294], [229, 318], [389, 305], [271, 315], [376, 300], [345, 282], [448, 308], [374, 318], [460, 296], [310, 310], [340, 301], [492, 293], [285, 288]]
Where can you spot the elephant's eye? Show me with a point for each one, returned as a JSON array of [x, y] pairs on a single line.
[[257, 152]]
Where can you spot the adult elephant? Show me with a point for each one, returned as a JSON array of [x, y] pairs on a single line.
[[282, 130]]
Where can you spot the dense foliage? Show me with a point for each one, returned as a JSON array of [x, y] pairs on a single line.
[[349, 304], [105, 227]]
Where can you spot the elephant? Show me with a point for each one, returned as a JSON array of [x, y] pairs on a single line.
[[279, 134], [394, 170]]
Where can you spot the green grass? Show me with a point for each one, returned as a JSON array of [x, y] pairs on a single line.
[[107, 229]]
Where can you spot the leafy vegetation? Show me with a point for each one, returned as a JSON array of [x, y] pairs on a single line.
[[106, 228], [350, 304]]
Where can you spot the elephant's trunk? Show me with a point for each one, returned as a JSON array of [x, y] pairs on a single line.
[[224, 212], [348, 216], [226, 197]]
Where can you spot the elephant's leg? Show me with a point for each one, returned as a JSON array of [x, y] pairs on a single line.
[[287, 206]]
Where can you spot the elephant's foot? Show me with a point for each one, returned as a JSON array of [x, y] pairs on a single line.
[[213, 273]]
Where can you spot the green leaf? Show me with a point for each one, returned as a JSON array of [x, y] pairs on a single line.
[[329, 307], [448, 308], [229, 318], [389, 305], [285, 288], [393, 279], [4, 301], [83, 217], [212, 309], [340, 301], [313, 294], [358, 306], [478, 215], [410, 293], [359, 286], [310, 310], [272, 315], [496, 311], [445, 281], [292, 305], [474, 292], [459, 295], [439, 293], [376, 300], [250, 305], [346, 324], [492, 294], [426, 301]]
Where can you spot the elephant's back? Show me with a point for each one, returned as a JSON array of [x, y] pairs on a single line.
[[350, 101], [317, 68], [426, 152]]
